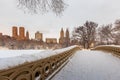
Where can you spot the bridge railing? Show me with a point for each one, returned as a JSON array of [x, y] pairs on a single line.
[[112, 49], [41, 69]]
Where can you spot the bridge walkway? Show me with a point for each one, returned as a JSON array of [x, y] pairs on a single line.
[[90, 65]]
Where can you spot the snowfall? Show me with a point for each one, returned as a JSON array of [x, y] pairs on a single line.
[[84, 64]]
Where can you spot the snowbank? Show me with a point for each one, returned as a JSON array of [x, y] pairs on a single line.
[[15, 53]]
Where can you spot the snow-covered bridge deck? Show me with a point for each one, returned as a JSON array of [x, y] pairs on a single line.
[[91, 65]]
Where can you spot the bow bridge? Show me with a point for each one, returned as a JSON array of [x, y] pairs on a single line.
[[73, 63]]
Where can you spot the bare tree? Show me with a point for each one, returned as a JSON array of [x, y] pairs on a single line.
[[34, 6], [105, 34], [2, 42], [117, 32], [90, 32], [117, 25], [79, 35], [86, 33]]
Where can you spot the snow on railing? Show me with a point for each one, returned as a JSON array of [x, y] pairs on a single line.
[[39, 65], [109, 48]]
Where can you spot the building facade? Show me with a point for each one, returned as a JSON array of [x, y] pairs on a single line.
[[61, 39], [51, 40], [38, 36], [64, 40], [67, 38], [21, 33], [14, 32], [27, 35], [0, 35]]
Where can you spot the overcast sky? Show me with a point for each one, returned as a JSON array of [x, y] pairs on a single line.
[[78, 11]]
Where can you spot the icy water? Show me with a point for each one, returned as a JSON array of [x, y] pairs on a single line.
[[91, 65]]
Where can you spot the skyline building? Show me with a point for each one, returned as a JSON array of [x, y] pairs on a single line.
[[61, 39], [14, 32], [0, 35], [64, 39], [51, 40], [67, 37], [21, 33], [38, 36], [27, 35]]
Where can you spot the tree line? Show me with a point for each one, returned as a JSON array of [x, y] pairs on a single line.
[[91, 33]]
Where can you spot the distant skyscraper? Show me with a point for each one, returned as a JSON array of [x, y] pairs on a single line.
[[67, 38], [64, 40], [61, 39], [67, 33], [62, 33], [0, 35], [27, 35], [14, 32], [39, 36], [21, 33]]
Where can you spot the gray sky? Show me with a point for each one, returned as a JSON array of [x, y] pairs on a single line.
[[78, 11]]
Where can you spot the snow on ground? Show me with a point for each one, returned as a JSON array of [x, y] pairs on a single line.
[[15, 53], [91, 65], [10, 58]]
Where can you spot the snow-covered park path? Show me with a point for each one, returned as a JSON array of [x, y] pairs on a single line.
[[91, 65]]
